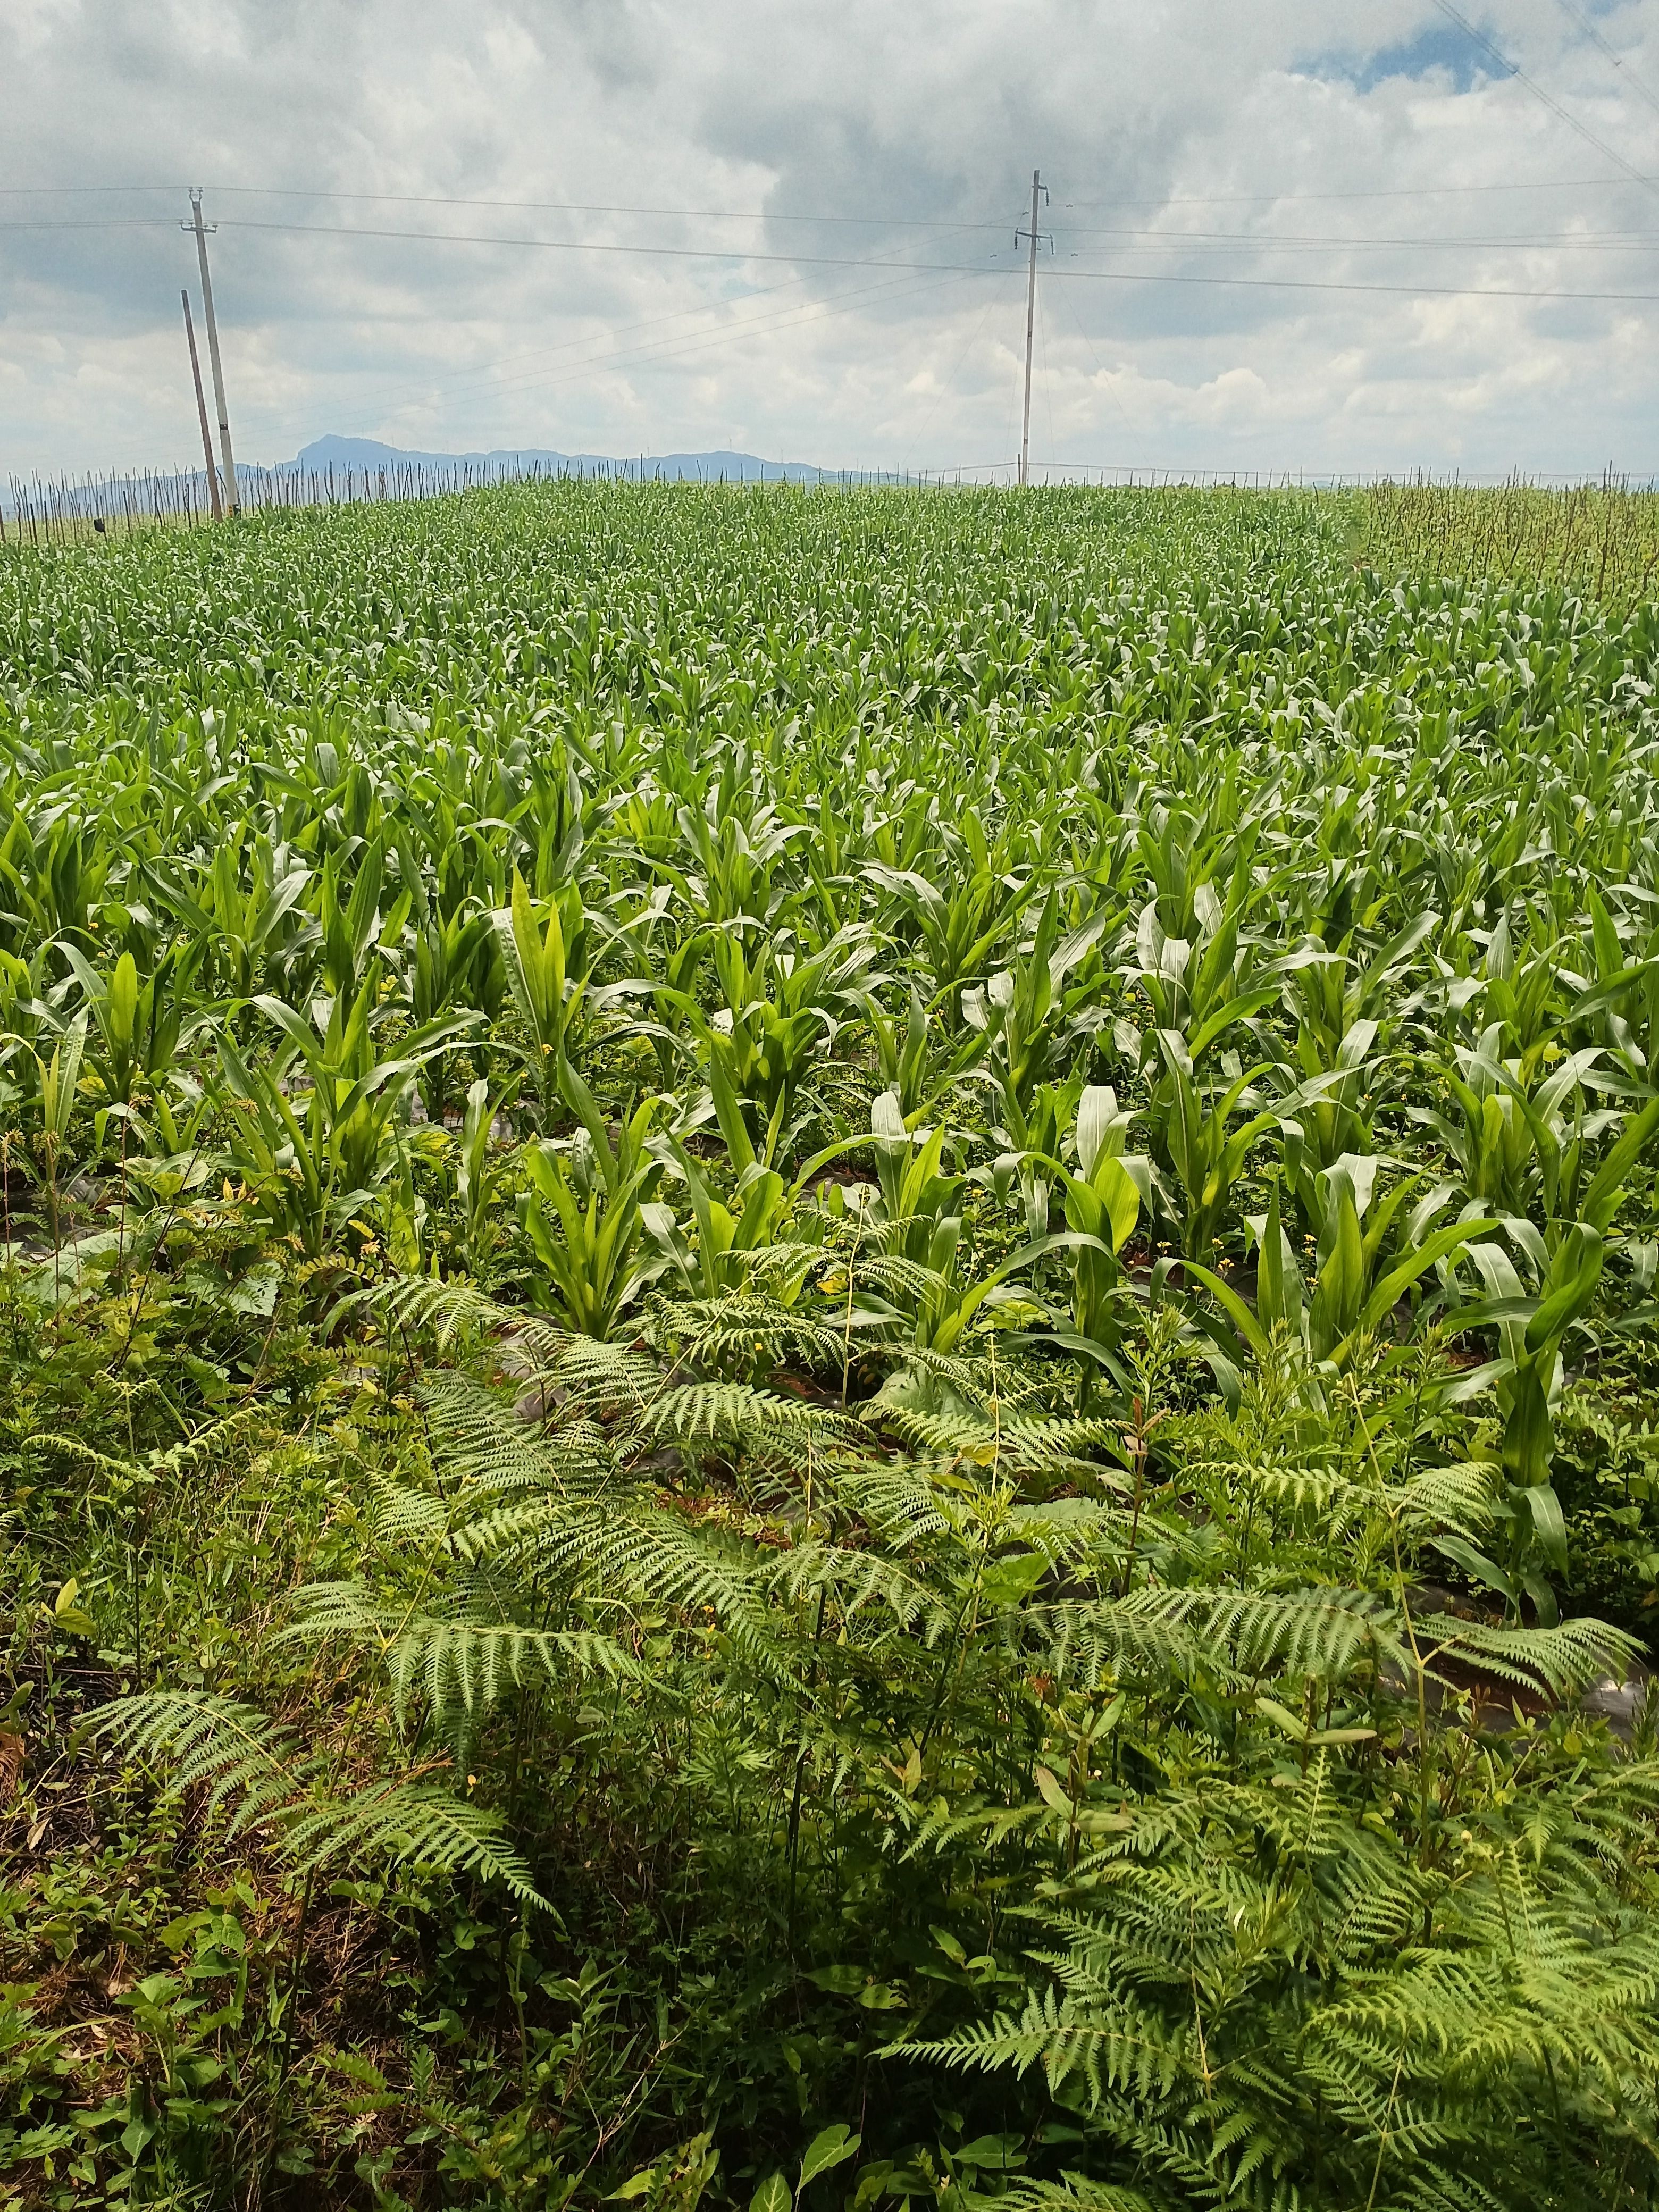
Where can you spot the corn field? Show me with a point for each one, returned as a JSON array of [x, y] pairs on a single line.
[[827, 1363], [1602, 541]]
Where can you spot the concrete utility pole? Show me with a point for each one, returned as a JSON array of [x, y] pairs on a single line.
[[201, 414], [1037, 187], [232, 502]]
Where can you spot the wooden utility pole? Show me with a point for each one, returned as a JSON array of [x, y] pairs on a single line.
[[232, 502], [1037, 187], [202, 414]]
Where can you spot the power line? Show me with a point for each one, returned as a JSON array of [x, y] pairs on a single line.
[[679, 348], [1213, 241], [575, 245], [481, 382], [89, 222], [1618, 60], [1394, 192], [1334, 284], [675, 349], [1530, 240], [1565, 114], [1535, 241], [44, 191], [940, 268], [886, 219], [798, 260], [559, 207], [591, 207]]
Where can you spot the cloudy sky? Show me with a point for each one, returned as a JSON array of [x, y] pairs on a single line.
[[649, 226]]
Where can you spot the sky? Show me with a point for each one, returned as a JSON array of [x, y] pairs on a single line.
[[629, 226]]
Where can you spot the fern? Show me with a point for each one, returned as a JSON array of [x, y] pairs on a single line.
[[463, 1656], [255, 1768], [1172, 1698]]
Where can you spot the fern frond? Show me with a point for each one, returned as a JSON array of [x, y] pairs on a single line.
[[231, 1750], [737, 1413], [1077, 2192], [1557, 1661], [478, 1440], [861, 1581], [745, 1326], [461, 1656], [408, 1824], [238, 1753]]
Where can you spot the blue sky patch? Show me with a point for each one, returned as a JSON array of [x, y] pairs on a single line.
[[1441, 48]]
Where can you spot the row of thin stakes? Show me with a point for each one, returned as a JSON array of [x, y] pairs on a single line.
[[66, 509]]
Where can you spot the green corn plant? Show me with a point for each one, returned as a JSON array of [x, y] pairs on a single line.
[[55, 874], [1326, 1115], [674, 1032], [911, 1280], [456, 963], [313, 1155], [1372, 1253], [956, 930], [1184, 854], [755, 1237], [29, 1004], [59, 1079], [729, 874], [1338, 1000], [1191, 1128], [584, 1214], [255, 937], [558, 813], [764, 1044], [918, 1214], [1519, 1148], [481, 1179], [645, 822], [142, 1028], [1200, 988], [284, 1157], [1533, 1331], [1521, 1000], [1332, 990], [900, 1274], [1023, 1015], [546, 977], [349, 929], [445, 969], [1617, 1007], [1103, 1199], [907, 1057]]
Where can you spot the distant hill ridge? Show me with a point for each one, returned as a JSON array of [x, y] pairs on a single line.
[[360, 454]]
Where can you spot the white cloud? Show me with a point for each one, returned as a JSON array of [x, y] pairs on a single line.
[[915, 130]]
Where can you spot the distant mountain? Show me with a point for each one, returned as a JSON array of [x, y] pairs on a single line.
[[357, 463], [343, 453]]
